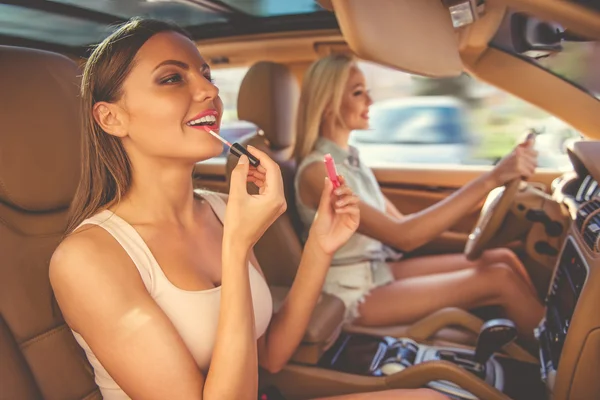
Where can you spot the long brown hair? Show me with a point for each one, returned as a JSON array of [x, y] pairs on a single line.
[[106, 169]]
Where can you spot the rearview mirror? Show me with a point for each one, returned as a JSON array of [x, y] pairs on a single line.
[[534, 38]]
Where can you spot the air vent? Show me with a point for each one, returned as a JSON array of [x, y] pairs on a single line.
[[591, 232], [588, 190], [585, 210]]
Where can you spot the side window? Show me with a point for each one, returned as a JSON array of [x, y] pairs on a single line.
[[228, 80], [417, 120]]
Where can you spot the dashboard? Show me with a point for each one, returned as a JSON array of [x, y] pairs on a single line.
[[569, 335]]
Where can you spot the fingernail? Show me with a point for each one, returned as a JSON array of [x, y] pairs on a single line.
[[243, 160], [338, 191]]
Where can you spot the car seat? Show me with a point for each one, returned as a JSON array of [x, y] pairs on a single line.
[[39, 172]]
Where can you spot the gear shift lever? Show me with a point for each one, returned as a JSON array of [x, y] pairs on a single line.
[[493, 335]]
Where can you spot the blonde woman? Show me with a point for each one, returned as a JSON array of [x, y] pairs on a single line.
[[158, 283], [378, 287]]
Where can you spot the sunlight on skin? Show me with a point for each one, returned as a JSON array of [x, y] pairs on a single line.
[[133, 321]]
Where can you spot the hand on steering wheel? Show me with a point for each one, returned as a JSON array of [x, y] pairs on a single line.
[[519, 165]]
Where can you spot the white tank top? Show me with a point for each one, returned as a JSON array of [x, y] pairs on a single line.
[[194, 314]]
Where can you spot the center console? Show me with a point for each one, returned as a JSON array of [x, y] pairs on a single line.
[[332, 361], [366, 355], [565, 290]]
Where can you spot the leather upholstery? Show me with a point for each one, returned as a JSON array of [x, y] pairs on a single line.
[[39, 169], [268, 98], [37, 113], [324, 320]]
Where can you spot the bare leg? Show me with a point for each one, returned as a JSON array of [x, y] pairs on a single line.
[[428, 265], [407, 300], [399, 394]]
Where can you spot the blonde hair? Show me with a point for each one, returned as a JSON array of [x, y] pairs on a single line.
[[323, 86]]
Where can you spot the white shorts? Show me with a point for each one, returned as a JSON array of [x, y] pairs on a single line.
[[351, 283]]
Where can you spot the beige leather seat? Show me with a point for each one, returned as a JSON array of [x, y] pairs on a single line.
[[268, 98], [39, 169]]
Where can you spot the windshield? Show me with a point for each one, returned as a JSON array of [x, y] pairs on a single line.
[[553, 48]]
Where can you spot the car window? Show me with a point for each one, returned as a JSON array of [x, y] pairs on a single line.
[[457, 121], [410, 124], [229, 80]]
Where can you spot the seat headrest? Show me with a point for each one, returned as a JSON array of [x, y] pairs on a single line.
[[268, 98], [39, 129]]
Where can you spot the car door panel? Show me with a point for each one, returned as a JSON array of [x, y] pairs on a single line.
[[412, 188]]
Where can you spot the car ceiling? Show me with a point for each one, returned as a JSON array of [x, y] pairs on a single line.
[[71, 26]]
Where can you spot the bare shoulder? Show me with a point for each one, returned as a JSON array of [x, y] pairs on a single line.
[[83, 251], [88, 264], [314, 170], [103, 298], [311, 183], [85, 245]]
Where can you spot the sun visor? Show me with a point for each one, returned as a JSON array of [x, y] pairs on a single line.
[[414, 36]]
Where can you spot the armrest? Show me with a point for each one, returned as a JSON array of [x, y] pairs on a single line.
[[425, 328], [420, 375], [326, 319]]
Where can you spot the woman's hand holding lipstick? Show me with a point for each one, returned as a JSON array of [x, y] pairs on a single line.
[[248, 216], [337, 218]]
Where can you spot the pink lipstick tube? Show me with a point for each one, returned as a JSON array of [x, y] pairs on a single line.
[[332, 171]]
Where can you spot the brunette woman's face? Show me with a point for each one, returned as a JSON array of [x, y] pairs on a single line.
[[355, 101], [168, 99]]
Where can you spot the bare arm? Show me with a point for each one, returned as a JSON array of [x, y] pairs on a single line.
[[289, 324], [233, 372], [103, 298], [391, 210], [336, 221], [407, 232], [412, 231]]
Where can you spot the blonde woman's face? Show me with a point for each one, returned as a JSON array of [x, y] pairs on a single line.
[[356, 101]]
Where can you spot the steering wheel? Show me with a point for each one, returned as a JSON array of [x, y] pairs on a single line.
[[494, 211]]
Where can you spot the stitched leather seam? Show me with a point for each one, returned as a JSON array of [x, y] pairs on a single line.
[[92, 395], [44, 335]]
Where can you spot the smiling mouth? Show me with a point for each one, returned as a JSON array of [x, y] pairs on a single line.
[[208, 120]]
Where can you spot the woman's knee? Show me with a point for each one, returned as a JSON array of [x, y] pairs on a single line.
[[501, 277], [499, 255]]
